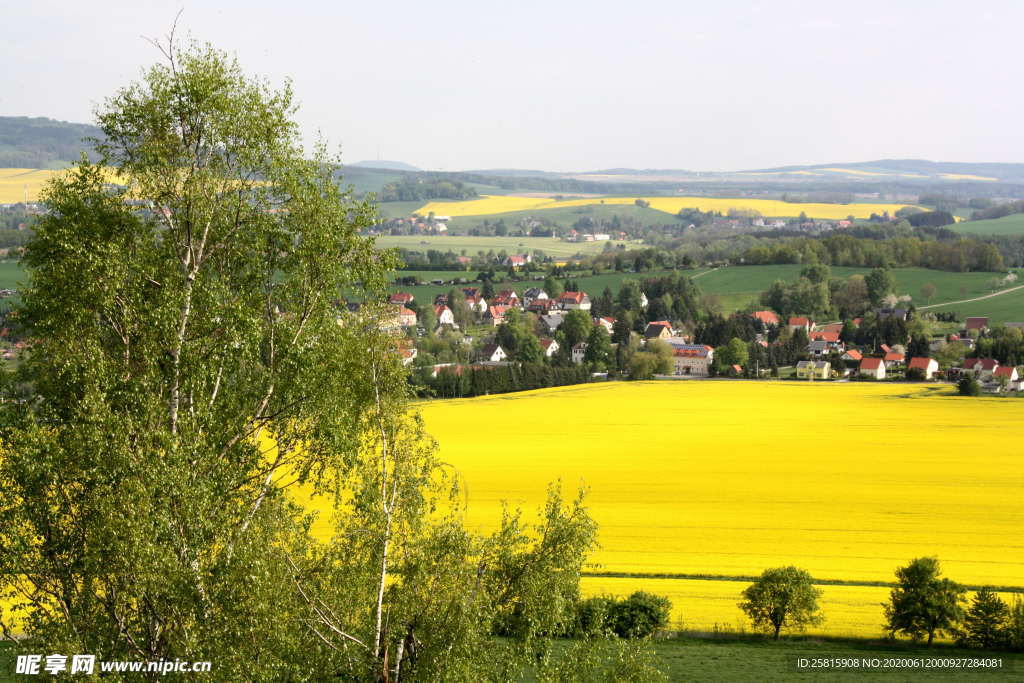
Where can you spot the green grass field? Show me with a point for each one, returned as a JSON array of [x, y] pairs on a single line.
[[1007, 225], [567, 216], [999, 309], [10, 275], [591, 284], [737, 286], [512, 245], [759, 659]]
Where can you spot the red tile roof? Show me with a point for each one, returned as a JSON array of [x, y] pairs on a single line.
[[919, 363], [871, 363], [400, 298], [825, 336], [767, 317], [894, 356], [853, 354], [977, 323], [574, 297], [799, 321], [1004, 371]]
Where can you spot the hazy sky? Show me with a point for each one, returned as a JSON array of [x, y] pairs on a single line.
[[573, 84]]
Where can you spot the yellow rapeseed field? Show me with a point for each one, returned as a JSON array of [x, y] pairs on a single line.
[[727, 478], [15, 182], [492, 204]]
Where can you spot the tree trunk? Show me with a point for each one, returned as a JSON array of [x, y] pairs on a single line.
[[778, 627]]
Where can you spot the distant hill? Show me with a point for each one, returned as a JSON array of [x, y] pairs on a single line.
[[387, 165], [41, 143], [907, 169]]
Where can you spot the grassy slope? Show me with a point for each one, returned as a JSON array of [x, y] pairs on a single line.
[[512, 245], [999, 309], [567, 216], [1007, 225], [738, 285]]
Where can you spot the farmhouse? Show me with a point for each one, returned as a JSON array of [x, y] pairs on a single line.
[[854, 355], [692, 359], [929, 366], [495, 315], [493, 353], [980, 324], [550, 323], [548, 346], [1006, 371], [981, 369], [893, 359], [767, 318], [406, 317], [607, 323], [873, 367], [578, 352], [400, 299], [799, 322], [444, 315], [817, 369], [574, 301], [533, 294], [660, 329]]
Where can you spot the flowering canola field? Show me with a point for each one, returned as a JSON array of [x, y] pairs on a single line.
[[727, 478], [14, 182], [492, 204]]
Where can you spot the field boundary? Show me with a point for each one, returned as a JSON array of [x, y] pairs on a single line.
[[750, 579]]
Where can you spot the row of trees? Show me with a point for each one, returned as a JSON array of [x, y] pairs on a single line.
[[922, 606]]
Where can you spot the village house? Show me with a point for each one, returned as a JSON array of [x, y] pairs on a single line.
[[518, 260], [929, 366], [767, 318], [607, 323], [980, 369], [541, 306], [833, 327], [692, 359], [495, 315], [441, 300], [660, 329], [400, 299], [813, 369], [1006, 371], [818, 347], [549, 346], [550, 323], [476, 304], [574, 301], [893, 359], [444, 315], [533, 294], [578, 352], [798, 322], [872, 367], [492, 353], [406, 317], [896, 313], [976, 324]]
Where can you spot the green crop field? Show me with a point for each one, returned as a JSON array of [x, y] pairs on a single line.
[[1007, 225], [512, 245], [737, 286], [999, 309]]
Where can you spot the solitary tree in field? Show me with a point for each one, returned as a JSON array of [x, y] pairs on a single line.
[[784, 597], [928, 291], [923, 605]]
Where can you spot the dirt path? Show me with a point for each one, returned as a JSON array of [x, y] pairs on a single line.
[[967, 301]]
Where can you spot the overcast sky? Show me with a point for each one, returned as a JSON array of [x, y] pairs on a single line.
[[573, 84]]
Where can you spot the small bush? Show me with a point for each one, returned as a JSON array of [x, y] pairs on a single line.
[[969, 386], [638, 616]]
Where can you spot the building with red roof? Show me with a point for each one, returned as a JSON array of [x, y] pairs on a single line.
[[929, 366], [872, 367], [766, 317]]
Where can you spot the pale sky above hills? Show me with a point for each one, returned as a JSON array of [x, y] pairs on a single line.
[[573, 84]]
